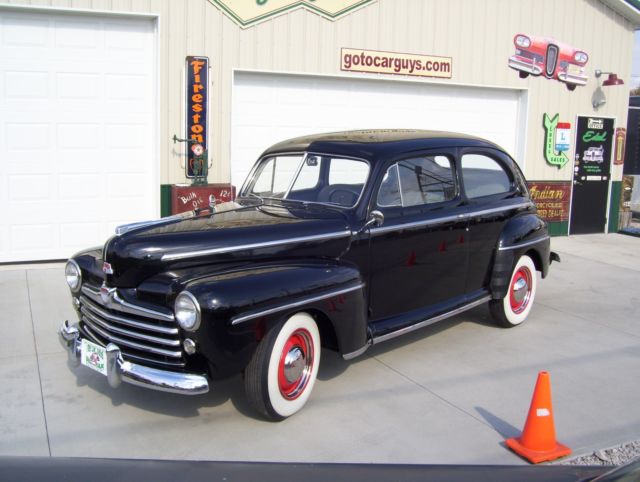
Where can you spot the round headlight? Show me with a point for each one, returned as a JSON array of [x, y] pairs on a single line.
[[73, 275], [581, 57], [522, 41], [187, 311]]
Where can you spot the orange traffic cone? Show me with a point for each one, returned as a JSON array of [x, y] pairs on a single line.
[[538, 440]]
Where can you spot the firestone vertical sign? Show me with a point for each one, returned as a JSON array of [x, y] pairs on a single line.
[[197, 69]]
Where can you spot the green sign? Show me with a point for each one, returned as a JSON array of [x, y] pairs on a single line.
[[553, 157]]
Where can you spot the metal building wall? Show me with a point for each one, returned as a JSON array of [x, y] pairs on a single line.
[[477, 34]]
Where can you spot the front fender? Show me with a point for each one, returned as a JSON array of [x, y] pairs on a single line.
[[239, 307], [524, 234]]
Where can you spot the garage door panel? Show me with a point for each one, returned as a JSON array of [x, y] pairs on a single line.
[[29, 187], [74, 35], [77, 119], [79, 236], [22, 31], [80, 86], [26, 85]]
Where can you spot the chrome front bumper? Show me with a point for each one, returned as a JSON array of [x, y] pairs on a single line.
[[119, 371], [529, 67]]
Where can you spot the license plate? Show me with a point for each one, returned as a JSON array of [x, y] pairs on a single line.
[[574, 69], [93, 356]]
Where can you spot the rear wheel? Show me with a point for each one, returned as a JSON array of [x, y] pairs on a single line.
[[283, 370], [514, 308]]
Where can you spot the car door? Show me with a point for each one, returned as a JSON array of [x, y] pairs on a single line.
[[493, 189], [419, 253]]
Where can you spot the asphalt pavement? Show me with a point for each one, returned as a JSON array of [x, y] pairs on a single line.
[[447, 394]]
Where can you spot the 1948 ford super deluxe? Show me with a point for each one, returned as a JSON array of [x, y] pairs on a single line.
[[339, 240]]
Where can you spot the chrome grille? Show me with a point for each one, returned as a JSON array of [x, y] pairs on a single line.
[[552, 59], [143, 334]]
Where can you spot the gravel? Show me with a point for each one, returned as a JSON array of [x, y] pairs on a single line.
[[613, 456]]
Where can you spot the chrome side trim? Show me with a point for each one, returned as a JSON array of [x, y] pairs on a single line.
[[446, 219], [126, 321], [501, 209], [122, 331], [120, 305], [430, 321], [357, 353], [524, 244], [296, 304], [90, 326], [119, 371], [419, 224], [243, 247]]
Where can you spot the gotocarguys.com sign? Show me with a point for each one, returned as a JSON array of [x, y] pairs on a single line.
[[354, 60], [249, 12]]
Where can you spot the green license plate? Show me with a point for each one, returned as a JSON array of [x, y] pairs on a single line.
[[93, 356]]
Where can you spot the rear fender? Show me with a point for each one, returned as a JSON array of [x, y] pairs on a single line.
[[524, 234]]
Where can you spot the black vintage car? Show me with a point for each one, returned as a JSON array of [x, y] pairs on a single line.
[[339, 240]]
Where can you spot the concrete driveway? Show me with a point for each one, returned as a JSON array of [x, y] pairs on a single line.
[[449, 393]]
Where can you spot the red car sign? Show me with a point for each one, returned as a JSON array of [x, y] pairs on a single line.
[[548, 57]]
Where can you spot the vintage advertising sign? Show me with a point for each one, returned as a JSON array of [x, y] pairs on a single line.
[[594, 142], [552, 199], [197, 83], [546, 57], [380, 62], [249, 12], [618, 152], [553, 155], [187, 198]]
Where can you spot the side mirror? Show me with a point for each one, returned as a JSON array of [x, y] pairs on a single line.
[[376, 219]]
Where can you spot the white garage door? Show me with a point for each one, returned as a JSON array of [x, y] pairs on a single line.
[[77, 130], [268, 108]]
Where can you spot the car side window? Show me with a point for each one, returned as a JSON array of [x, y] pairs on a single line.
[[484, 176], [418, 181]]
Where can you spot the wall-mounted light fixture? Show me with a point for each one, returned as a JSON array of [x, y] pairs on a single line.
[[599, 99], [611, 80]]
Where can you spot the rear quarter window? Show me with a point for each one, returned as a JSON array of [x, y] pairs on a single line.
[[484, 176]]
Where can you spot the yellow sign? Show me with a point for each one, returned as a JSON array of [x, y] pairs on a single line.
[[249, 12], [356, 60]]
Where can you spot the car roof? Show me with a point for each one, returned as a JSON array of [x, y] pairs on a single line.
[[377, 144]]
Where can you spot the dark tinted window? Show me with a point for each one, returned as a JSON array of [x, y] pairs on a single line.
[[484, 176]]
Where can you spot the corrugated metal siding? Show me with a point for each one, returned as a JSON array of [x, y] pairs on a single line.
[[476, 34]]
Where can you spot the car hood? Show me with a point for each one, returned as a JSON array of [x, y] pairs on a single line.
[[244, 233]]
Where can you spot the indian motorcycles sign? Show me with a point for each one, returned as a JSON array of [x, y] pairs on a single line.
[[249, 12]]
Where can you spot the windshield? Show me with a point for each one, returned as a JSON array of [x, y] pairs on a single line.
[[312, 178]]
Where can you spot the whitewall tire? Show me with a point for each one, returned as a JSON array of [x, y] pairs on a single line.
[[514, 308], [281, 375]]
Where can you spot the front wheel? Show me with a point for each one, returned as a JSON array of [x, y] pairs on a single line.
[[514, 308], [283, 370]]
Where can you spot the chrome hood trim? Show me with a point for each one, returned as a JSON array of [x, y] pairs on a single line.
[[244, 247], [125, 228]]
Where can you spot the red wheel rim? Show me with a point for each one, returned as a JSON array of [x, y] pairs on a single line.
[[296, 363], [520, 290]]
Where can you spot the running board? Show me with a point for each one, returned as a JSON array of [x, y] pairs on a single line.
[[430, 321], [417, 326]]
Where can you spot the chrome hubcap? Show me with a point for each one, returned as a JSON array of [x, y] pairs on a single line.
[[294, 364], [520, 291]]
